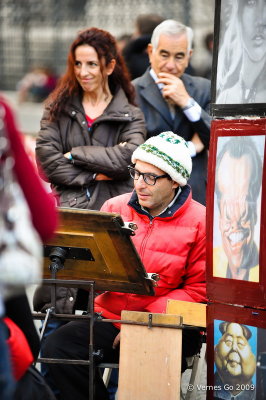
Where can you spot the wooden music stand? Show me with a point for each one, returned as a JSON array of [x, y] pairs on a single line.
[[98, 247], [92, 250]]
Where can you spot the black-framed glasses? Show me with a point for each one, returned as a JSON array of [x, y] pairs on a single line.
[[148, 177]]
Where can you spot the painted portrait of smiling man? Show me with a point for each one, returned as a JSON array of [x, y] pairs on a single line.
[[238, 179], [241, 68]]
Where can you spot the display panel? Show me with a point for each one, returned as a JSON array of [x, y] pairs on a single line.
[[239, 58], [235, 226], [236, 349], [237, 205]]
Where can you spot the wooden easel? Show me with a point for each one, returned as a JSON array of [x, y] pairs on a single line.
[[92, 250], [98, 248], [150, 352], [150, 357]]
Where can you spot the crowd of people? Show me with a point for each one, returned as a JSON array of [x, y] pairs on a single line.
[[138, 148]]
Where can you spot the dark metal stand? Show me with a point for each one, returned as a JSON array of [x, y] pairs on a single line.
[[57, 257]]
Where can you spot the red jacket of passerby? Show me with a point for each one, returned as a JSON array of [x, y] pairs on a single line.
[[41, 204], [171, 245], [20, 352], [44, 218]]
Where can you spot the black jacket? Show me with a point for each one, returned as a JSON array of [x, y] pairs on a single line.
[[94, 151]]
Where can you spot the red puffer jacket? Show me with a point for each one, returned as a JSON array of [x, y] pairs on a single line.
[[20, 352], [172, 245]]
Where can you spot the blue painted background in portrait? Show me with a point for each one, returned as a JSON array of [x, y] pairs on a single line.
[[252, 341]]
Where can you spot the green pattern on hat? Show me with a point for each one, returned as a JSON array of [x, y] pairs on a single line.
[[172, 163], [172, 138]]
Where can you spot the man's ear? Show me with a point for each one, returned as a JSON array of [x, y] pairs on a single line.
[[149, 50], [111, 66], [190, 53], [175, 185]]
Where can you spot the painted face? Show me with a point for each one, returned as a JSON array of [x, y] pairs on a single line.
[[236, 218], [154, 198], [171, 55], [253, 24], [88, 69], [233, 356]]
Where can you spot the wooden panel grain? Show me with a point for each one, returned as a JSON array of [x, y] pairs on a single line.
[[192, 313], [150, 358]]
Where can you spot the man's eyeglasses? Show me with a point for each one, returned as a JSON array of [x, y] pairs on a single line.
[[148, 178]]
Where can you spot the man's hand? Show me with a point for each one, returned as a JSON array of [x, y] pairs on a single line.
[[116, 341], [174, 89], [199, 146], [102, 177]]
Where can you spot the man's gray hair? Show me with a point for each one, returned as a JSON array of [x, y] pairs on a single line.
[[170, 27]]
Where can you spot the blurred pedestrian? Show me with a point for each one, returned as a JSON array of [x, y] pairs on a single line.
[[205, 68], [122, 41], [13, 300], [135, 52], [36, 85]]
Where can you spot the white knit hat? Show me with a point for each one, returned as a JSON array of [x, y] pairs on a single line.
[[169, 152]]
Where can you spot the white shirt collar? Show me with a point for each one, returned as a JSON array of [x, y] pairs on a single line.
[[160, 86], [155, 78]]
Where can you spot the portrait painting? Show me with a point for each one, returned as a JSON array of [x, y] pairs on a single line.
[[237, 207], [235, 360], [236, 352], [239, 70]]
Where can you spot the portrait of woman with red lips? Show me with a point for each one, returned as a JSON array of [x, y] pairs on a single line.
[[241, 59]]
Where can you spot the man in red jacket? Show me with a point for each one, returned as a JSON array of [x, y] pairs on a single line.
[[170, 240]]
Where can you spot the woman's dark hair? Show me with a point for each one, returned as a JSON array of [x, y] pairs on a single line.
[[105, 46]]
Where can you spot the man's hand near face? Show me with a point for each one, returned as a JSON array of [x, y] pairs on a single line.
[[174, 89], [174, 92]]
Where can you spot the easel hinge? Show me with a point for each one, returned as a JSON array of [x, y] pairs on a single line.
[[150, 321]]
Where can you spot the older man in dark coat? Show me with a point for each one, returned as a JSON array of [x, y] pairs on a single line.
[[173, 100]]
